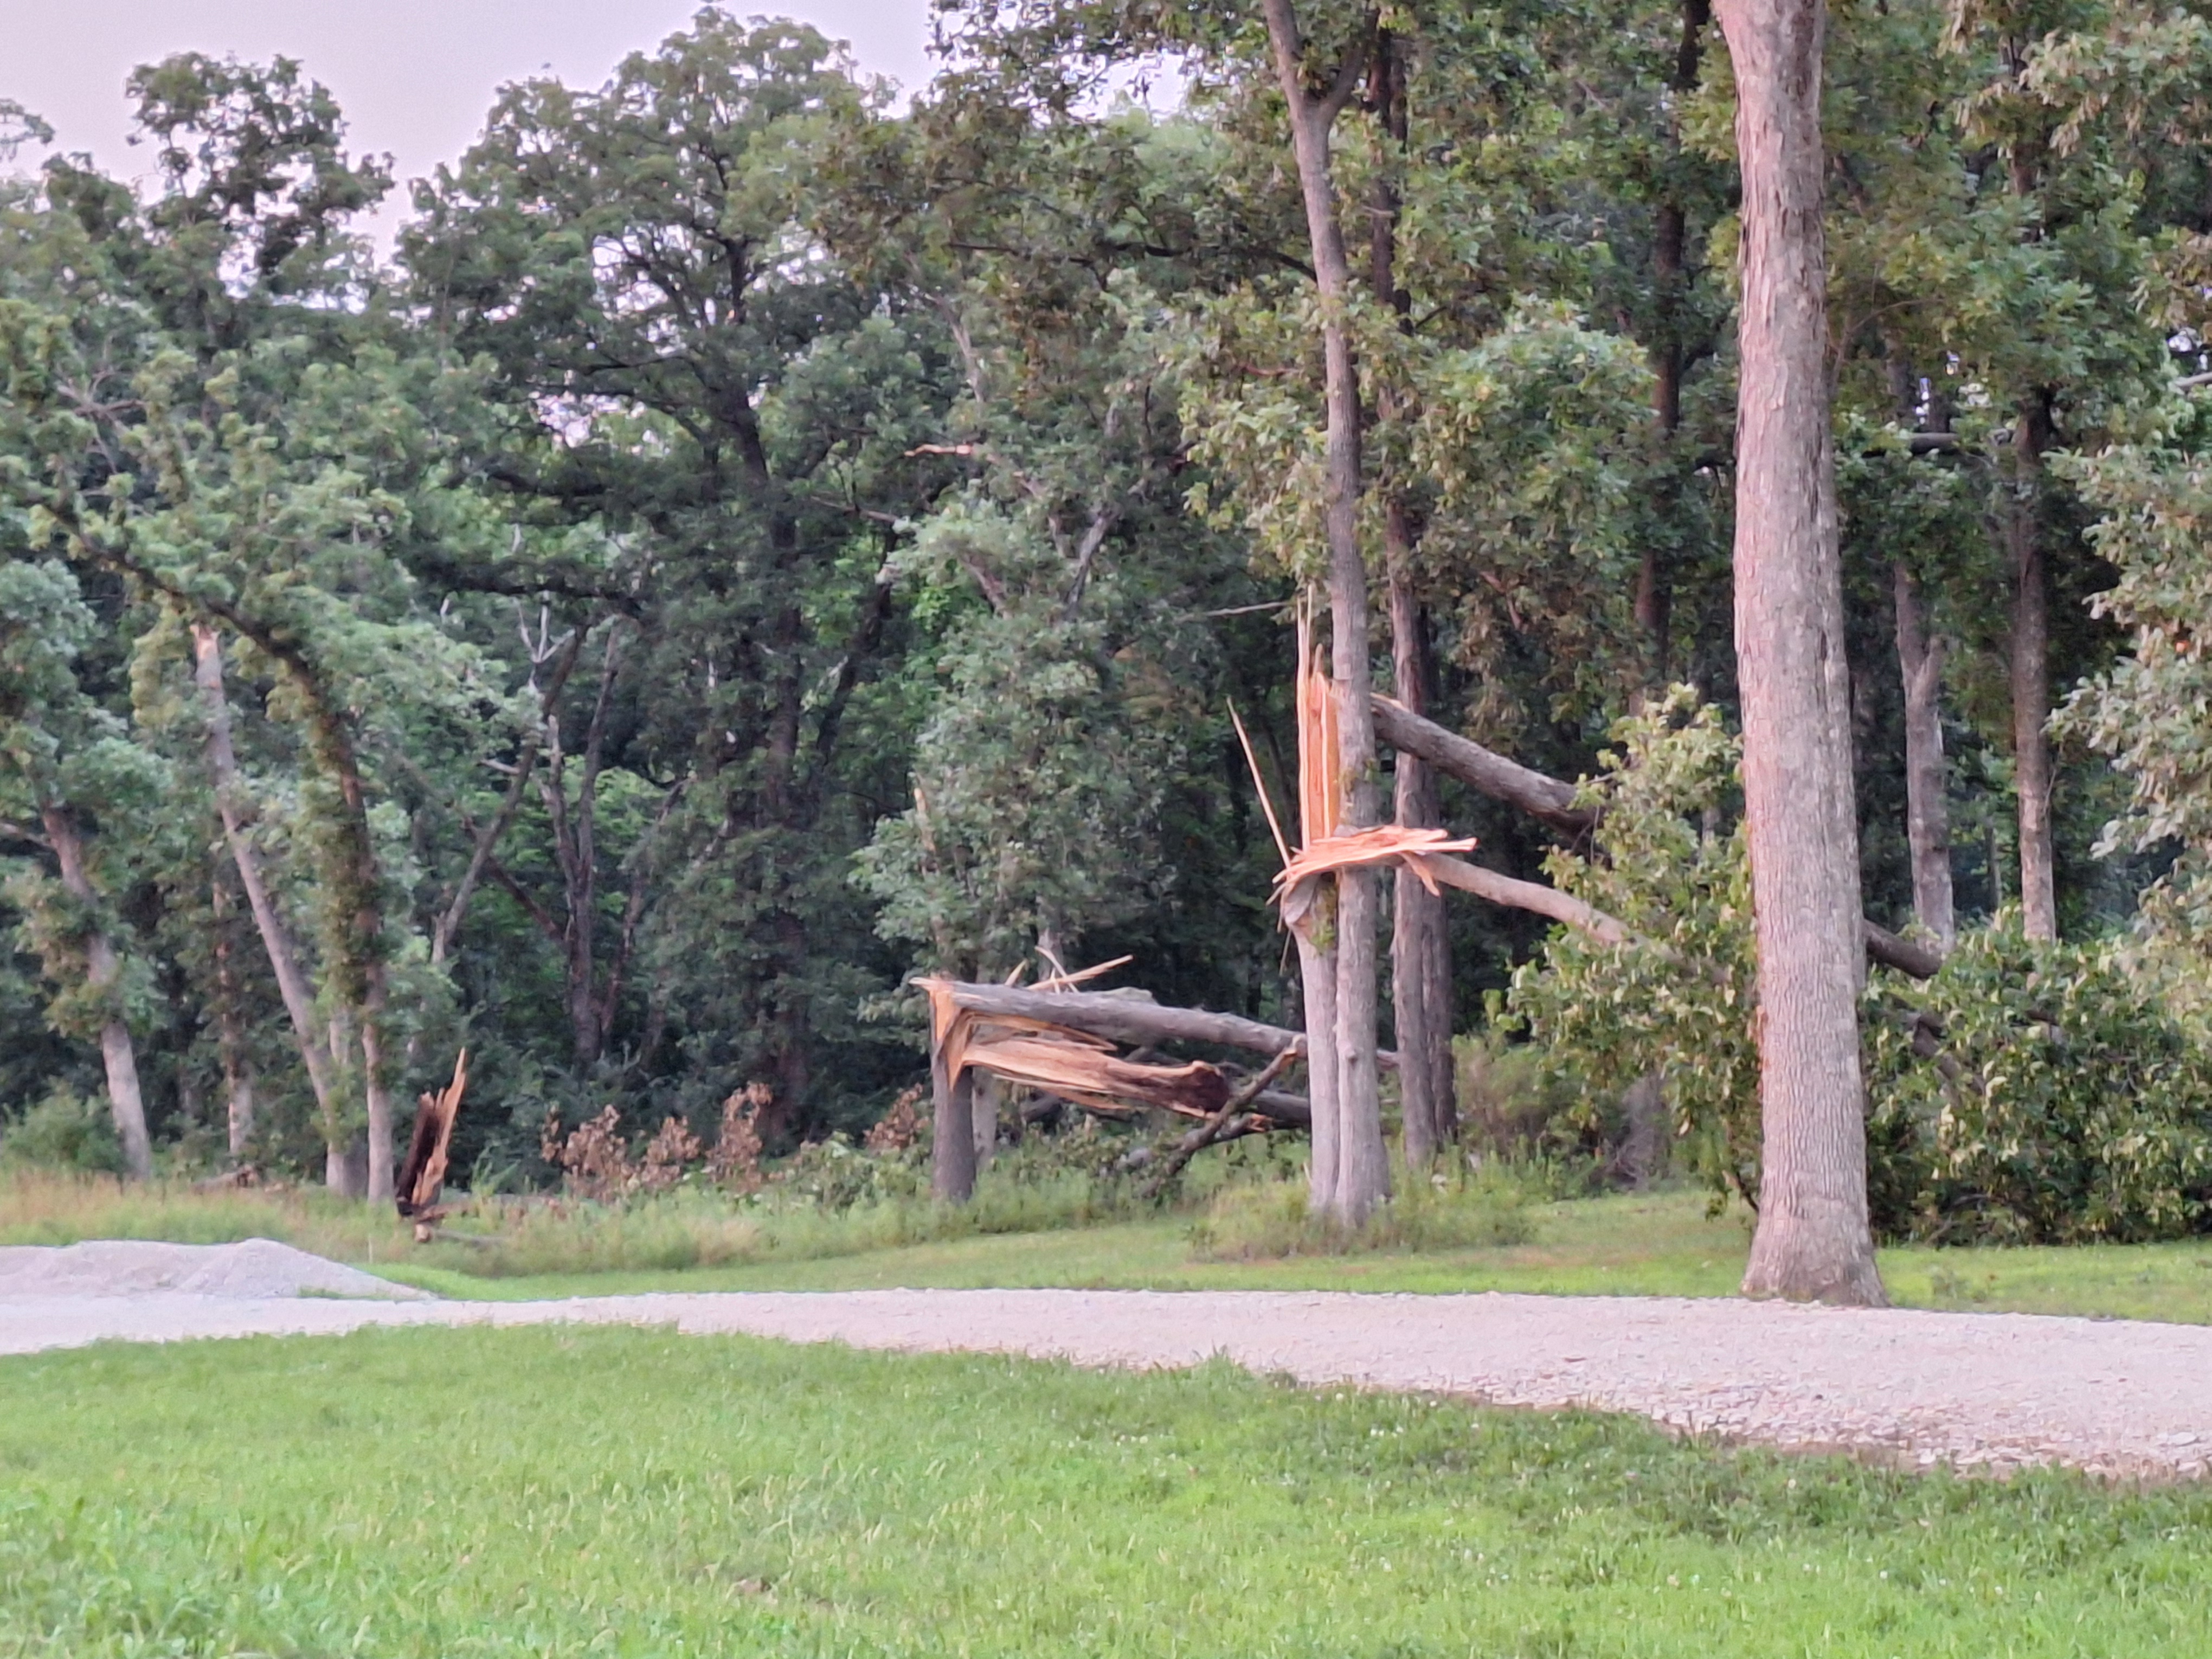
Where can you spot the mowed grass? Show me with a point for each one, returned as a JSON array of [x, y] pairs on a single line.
[[1660, 1244], [622, 1491], [1656, 1244]]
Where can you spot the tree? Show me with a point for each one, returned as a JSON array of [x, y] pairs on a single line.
[[65, 762], [1813, 1242]]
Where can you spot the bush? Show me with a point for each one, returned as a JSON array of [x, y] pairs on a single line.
[[1267, 1221], [65, 1130], [2035, 1093]]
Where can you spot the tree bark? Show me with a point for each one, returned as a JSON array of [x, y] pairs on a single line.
[[1362, 1175], [952, 1131], [230, 1029], [1927, 805], [126, 1105], [1420, 946], [1549, 800], [275, 937], [1812, 1241], [2030, 650]]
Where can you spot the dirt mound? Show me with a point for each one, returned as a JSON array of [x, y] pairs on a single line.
[[257, 1268]]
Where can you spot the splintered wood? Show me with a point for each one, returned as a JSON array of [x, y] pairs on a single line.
[[422, 1177], [1323, 849], [1077, 1066]]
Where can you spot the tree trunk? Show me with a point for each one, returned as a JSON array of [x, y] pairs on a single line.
[[1670, 347], [2031, 677], [952, 1131], [1421, 944], [275, 937], [1420, 948], [230, 1029], [1927, 807], [987, 1091], [125, 1104], [1317, 971], [376, 1089], [1362, 1166], [1812, 1241]]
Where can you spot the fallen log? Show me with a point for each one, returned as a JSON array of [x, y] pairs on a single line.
[[1124, 1017]]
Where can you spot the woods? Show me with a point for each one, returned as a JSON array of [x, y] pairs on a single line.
[[1723, 488]]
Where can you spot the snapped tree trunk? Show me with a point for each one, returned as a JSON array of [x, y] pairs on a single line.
[[1812, 1241], [276, 936], [1927, 805], [102, 968], [2030, 646], [1362, 1172]]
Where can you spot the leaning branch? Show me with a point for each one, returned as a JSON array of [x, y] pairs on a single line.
[[1534, 895], [1552, 800], [1482, 769]]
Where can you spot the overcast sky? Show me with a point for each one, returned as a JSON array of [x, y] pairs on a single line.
[[414, 76]]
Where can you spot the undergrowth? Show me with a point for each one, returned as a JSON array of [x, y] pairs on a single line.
[[1269, 1220]]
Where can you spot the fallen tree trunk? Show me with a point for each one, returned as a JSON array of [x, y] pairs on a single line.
[[1123, 1017]]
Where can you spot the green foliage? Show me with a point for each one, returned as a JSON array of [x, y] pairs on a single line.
[[2152, 711], [64, 1132], [1677, 996], [2050, 1098]]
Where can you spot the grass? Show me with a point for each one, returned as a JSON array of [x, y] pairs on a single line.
[[1661, 1243], [623, 1491]]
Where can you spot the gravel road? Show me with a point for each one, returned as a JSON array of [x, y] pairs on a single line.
[[1994, 1391]]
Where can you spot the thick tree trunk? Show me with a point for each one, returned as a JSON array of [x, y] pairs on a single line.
[[1927, 805], [275, 937], [1812, 1241], [125, 1104], [952, 1131], [1363, 1166], [2030, 646], [986, 1092]]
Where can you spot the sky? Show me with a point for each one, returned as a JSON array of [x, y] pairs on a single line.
[[415, 77]]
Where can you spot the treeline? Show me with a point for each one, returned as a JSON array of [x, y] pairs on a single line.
[[748, 543]]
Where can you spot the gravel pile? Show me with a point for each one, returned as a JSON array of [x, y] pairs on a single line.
[[258, 1269]]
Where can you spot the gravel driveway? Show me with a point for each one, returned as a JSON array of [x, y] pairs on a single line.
[[1976, 1390]]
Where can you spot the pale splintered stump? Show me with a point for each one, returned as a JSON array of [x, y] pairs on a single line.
[[1813, 1242]]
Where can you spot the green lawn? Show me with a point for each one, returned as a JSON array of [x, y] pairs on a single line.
[[446, 1493], [1662, 1244]]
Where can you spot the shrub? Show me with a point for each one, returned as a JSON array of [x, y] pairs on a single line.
[[65, 1130], [1675, 998], [2035, 1093]]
